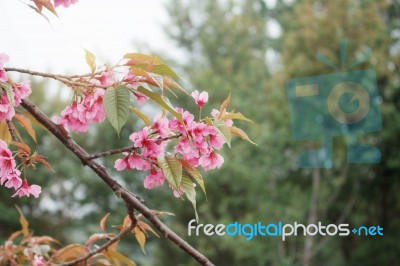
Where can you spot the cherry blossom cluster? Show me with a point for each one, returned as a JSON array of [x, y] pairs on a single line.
[[10, 175], [19, 92], [197, 144], [88, 108], [79, 115]]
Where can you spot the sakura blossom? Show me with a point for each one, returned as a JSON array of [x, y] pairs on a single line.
[[3, 59], [26, 190], [154, 179], [64, 3], [200, 98], [78, 116]]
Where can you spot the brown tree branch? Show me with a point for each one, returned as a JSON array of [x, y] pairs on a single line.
[[100, 170]]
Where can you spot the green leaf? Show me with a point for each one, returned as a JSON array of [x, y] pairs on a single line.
[[90, 60], [188, 187], [172, 169], [223, 129], [8, 89], [141, 115], [5, 132], [236, 116], [239, 132], [139, 59], [160, 101], [164, 69], [116, 105], [195, 173]]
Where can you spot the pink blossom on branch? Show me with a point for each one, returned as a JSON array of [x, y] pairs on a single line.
[[154, 179], [3, 59], [78, 116], [64, 3], [26, 190], [200, 98]]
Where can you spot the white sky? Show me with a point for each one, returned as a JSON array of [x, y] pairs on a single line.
[[107, 28]]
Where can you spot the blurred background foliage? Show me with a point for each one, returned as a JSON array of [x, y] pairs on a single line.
[[249, 48]]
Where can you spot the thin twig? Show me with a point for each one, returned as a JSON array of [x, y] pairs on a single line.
[[106, 245], [68, 80], [101, 171], [111, 152], [127, 149]]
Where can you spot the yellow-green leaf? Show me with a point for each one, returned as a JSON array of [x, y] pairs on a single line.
[[24, 223], [160, 101], [172, 169], [4, 132], [141, 115], [195, 173], [70, 252], [236, 116], [239, 132], [188, 187], [140, 59], [116, 105], [90, 60], [140, 238]]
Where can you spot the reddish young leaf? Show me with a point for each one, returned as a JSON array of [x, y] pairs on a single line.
[[26, 123], [46, 4], [40, 159], [22, 147], [96, 237], [222, 109], [103, 222]]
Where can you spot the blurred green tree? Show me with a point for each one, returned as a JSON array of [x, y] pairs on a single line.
[[233, 40]]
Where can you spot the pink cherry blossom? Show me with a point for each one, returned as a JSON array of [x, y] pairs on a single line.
[[141, 98], [132, 161], [136, 162], [211, 161], [154, 179], [64, 3], [91, 109], [6, 109], [70, 119], [13, 179], [21, 91], [132, 81], [3, 59], [161, 126], [26, 190], [38, 261], [121, 164], [106, 78], [217, 141], [200, 98], [7, 162]]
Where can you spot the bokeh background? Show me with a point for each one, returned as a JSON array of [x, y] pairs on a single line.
[[247, 47]]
